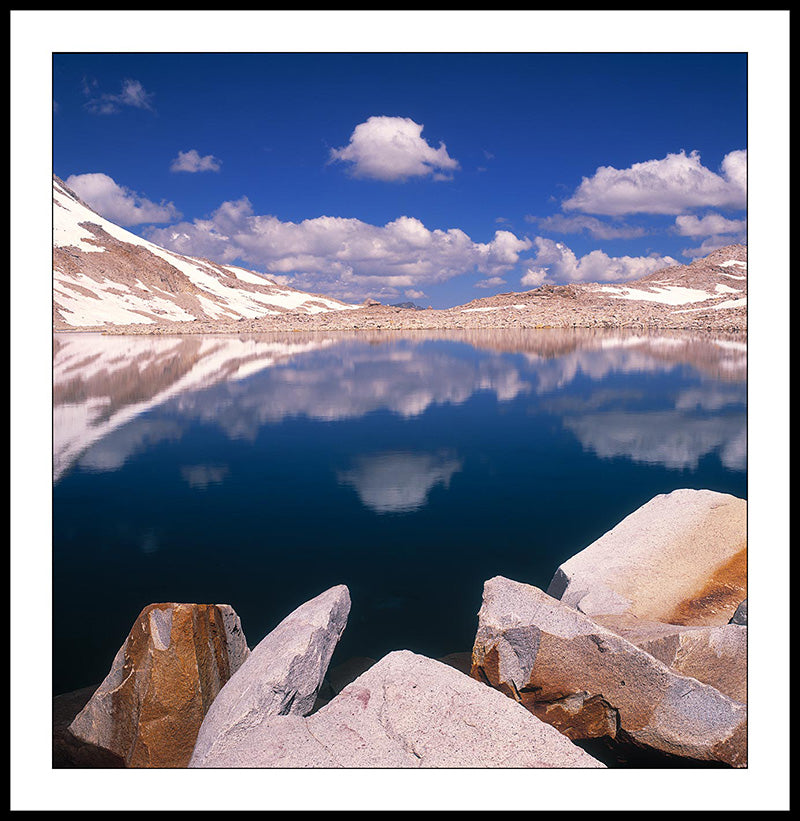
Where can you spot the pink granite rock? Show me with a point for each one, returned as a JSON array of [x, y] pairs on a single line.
[[405, 711]]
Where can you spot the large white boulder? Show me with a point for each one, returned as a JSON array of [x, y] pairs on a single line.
[[405, 711], [681, 558]]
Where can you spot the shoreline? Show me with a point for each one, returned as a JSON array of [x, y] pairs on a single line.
[[387, 318]]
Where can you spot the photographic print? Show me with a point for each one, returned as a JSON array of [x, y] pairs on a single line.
[[400, 409]]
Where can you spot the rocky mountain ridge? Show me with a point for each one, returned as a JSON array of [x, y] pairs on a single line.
[[710, 294], [106, 278], [104, 275]]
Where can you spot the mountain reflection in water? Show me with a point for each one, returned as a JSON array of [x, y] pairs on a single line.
[[261, 470], [103, 384]]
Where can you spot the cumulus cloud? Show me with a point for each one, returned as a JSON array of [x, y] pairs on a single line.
[[191, 162], [672, 185], [392, 149], [555, 262], [341, 256], [717, 230], [119, 204], [492, 282], [709, 225], [561, 224], [132, 94], [707, 246], [534, 277]]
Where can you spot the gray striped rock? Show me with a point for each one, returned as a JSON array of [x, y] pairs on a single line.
[[681, 558], [589, 682], [282, 675], [405, 711], [713, 655], [740, 616]]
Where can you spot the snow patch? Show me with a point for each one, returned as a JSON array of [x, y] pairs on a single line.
[[493, 308], [728, 303], [668, 295], [731, 303], [113, 303], [72, 227]]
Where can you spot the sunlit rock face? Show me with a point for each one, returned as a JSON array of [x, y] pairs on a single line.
[[714, 655], [281, 677], [174, 662], [405, 711], [588, 681], [633, 569]]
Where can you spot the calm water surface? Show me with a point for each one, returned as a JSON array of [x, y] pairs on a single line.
[[259, 471]]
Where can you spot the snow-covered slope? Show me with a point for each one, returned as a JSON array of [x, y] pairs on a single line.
[[719, 280], [105, 275], [712, 289]]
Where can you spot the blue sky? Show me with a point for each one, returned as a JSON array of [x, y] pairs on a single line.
[[434, 177]]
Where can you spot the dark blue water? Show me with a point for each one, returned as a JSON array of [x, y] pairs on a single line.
[[260, 471]]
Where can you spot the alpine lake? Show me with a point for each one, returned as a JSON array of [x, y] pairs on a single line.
[[259, 471]]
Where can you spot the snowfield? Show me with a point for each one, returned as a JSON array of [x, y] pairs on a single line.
[[109, 286], [668, 294]]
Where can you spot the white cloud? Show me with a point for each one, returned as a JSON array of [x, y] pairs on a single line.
[[392, 149], [711, 224], [341, 256], [117, 203], [675, 440], [707, 246], [556, 262], [597, 228], [534, 277], [192, 162], [412, 293], [668, 186], [717, 230], [132, 94], [492, 282]]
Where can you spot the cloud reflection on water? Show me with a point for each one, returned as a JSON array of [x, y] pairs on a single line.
[[117, 396], [399, 482], [674, 440]]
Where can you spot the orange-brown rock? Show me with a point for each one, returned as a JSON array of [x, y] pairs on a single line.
[[588, 681], [175, 660], [713, 655]]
